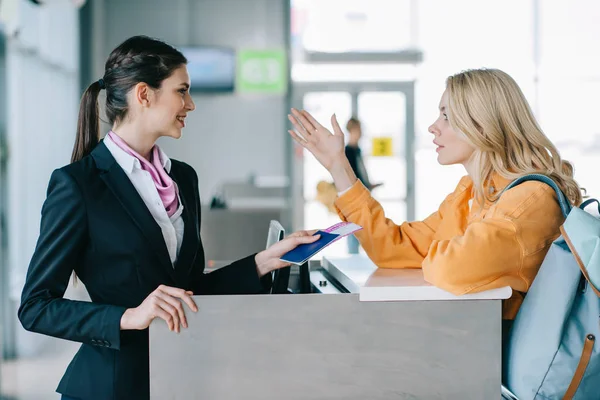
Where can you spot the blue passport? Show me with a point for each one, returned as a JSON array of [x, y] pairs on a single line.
[[303, 252]]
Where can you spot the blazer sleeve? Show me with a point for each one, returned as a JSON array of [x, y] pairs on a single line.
[[239, 277], [59, 250]]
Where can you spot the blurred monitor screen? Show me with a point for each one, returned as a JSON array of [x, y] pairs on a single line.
[[211, 69]]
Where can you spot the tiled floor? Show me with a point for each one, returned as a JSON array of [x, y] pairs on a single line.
[[36, 378]]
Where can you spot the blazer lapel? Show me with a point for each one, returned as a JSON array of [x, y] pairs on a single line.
[[118, 182], [191, 232]]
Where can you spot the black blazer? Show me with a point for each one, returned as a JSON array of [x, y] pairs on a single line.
[[95, 222]]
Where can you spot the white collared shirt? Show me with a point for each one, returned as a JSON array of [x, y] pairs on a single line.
[[171, 227]]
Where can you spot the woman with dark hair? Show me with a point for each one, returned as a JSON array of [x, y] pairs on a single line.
[[125, 219]]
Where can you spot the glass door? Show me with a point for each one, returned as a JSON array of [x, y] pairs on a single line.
[[386, 113], [385, 162]]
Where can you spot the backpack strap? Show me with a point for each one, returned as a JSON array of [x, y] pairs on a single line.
[[588, 202], [580, 263], [565, 206]]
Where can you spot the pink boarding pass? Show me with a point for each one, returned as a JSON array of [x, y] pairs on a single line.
[[343, 229]]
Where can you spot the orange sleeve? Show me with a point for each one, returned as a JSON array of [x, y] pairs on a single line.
[[505, 248], [387, 244]]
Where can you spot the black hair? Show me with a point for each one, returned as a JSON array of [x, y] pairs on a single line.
[[138, 59]]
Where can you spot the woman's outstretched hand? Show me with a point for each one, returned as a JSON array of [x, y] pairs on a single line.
[[327, 147], [269, 260]]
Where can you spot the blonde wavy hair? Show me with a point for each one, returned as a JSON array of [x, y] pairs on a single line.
[[489, 109]]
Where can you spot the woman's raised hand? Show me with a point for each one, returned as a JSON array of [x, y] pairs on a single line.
[[327, 148]]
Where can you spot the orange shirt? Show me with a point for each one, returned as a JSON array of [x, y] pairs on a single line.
[[464, 249]]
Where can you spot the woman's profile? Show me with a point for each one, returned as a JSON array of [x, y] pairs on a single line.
[[480, 238], [126, 219]]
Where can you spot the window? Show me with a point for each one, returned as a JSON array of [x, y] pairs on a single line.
[[351, 25]]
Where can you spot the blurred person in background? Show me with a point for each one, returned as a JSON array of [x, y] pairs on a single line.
[[354, 156]]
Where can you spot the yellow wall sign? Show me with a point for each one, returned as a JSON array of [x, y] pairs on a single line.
[[382, 147]]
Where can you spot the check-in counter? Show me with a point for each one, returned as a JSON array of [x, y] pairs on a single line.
[[368, 334], [358, 274]]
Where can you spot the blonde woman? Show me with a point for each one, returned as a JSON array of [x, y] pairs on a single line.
[[476, 240]]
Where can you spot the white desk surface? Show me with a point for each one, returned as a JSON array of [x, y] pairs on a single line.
[[360, 275]]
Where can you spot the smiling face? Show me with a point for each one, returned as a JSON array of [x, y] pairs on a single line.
[[452, 147], [170, 104]]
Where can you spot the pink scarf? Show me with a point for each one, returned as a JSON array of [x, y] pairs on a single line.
[[163, 182]]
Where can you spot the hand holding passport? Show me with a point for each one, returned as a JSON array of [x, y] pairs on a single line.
[[303, 252]]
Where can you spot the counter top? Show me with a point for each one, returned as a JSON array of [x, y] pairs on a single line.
[[358, 274]]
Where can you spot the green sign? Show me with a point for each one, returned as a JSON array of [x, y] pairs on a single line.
[[262, 71]]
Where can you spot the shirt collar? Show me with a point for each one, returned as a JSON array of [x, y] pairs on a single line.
[[164, 159], [496, 183], [129, 162]]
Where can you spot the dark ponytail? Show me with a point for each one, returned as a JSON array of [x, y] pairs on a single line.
[[138, 59], [88, 125]]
